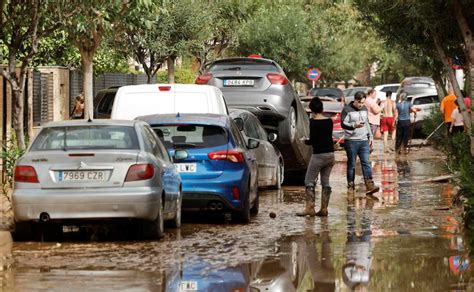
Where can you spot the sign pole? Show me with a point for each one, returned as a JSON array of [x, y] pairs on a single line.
[[314, 83]]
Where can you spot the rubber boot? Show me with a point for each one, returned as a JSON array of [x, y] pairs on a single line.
[[351, 188], [310, 199], [370, 187], [325, 195]]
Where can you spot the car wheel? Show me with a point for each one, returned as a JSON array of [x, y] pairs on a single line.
[[287, 128], [256, 206], [176, 222], [244, 214], [280, 173], [154, 229]]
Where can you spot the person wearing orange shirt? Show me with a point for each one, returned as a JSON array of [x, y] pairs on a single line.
[[447, 107]]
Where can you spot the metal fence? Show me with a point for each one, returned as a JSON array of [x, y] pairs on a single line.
[[42, 98], [103, 81]]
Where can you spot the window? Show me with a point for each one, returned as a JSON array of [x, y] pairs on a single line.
[[159, 147], [237, 135], [86, 137], [105, 104], [238, 65], [422, 100], [249, 127], [191, 135]]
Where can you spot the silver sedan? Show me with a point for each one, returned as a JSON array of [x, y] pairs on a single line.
[[90, 171]]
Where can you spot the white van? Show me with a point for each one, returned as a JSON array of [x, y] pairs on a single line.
[[140, 100]]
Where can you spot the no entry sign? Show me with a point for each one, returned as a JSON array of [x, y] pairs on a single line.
[[313, 74]]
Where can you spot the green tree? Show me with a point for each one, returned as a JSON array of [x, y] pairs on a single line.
[[438, 29], [87, 29], [278, 32], [23, 25]]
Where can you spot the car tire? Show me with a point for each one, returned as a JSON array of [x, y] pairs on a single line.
[[244, 214], [176, 221], [256, 206], [287, 127], [280, 173], [154, 229]]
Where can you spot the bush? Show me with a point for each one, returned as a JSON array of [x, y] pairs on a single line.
[[181, 76], [458, 160], [10, 154]]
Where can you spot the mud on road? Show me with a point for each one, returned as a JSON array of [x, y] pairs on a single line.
[[406, 240]]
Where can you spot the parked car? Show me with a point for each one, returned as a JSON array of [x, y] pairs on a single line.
[[417, 85], [103, 102], [219, 172], [328, 92], [350, 92], [426, 105], [78, 171], [139, 100], [261, 87], [270, 162], [331, 109], [381, 90]]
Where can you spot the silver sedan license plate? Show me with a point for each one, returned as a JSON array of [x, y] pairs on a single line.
[[82, 175], [185, 167], [239, 82]]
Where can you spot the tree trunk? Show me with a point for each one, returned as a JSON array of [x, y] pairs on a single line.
[[18, 115], [87, 85], [453, 80], [469, 54], [170, 63]]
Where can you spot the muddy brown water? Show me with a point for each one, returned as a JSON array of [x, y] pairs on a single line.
[[406, 241]]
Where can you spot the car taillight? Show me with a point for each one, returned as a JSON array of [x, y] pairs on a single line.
[[277, 79], [26, 174], [164, 88], [140, 172], [235, 193], [203, 79], [231, 155]]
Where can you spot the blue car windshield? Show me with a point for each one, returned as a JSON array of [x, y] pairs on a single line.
[[86, 138], [191, 136]]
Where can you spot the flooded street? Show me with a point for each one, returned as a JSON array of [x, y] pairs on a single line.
[[407, 240]]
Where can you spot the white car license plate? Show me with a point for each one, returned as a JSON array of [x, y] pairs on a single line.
[[185, 167], [188, 286], [82, 175], [239, 82]]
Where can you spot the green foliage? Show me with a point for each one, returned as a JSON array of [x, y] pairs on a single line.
[[280, 33], [186, 76], [10, 153], [458, 159]]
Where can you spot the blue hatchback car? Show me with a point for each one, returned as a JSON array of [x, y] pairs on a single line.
[[217, 170]]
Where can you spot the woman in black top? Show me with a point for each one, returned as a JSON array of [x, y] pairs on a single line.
[[322, 160]]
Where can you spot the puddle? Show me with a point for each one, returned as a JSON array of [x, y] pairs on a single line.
[[406, 240]]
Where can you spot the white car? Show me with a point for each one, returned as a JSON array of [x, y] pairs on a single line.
[[426, 103], [382, 90], [141, 100]]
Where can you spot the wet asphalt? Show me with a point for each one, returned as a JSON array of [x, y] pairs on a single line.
[[410, 239]]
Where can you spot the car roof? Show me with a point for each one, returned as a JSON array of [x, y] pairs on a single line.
[[235, 59], [384, 85], [418, 79], [98, 122], [174, 87], [421, 95], [202, 119]]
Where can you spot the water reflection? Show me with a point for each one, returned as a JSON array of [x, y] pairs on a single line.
[[358, 251]]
